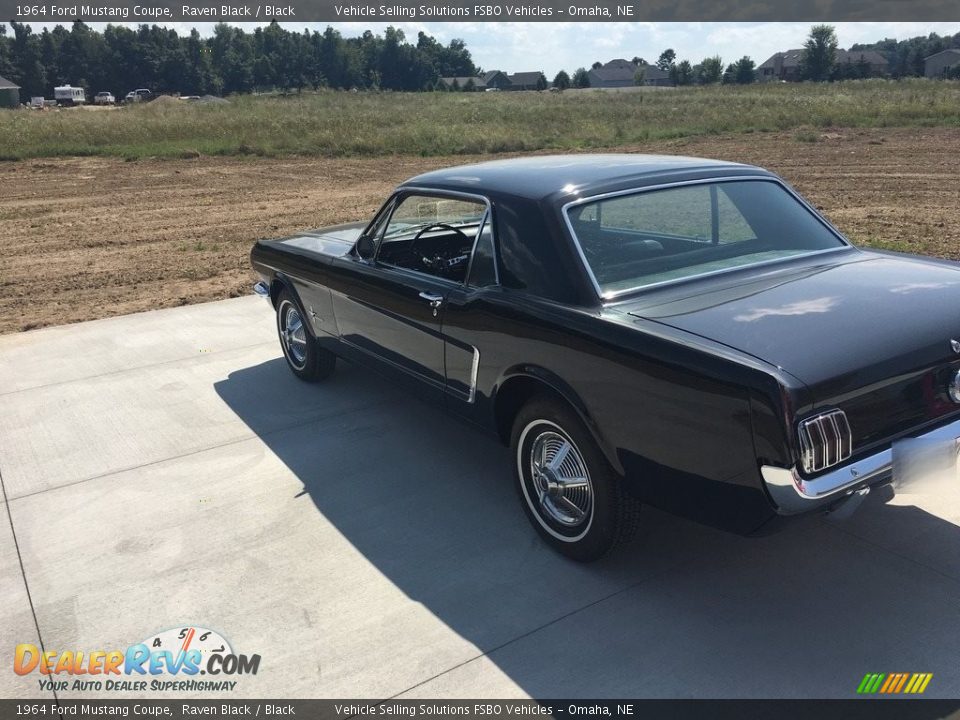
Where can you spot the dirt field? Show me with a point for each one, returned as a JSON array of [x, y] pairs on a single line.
[[91, 237]]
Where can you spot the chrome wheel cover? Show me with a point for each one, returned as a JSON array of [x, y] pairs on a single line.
[[293, 335], [555, 481]]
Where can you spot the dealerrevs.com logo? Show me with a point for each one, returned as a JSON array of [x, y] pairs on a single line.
[[171, 660]]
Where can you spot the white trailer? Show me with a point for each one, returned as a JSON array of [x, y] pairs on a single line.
[[68, 95]]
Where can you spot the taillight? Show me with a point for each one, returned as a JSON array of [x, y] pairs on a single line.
[[825, 440]]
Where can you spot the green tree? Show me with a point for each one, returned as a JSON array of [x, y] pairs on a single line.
[[121, 59], [561, 80], [711, 70], [681, 73], [746, 71], [29, 72], [6, 64], [640, 76], [741, 72], [580, 78], [819, 53], [666, 59], [450, 61], [541, 81]]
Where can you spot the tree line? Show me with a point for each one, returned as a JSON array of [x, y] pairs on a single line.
[[232, 60], [818, 62], [120, 59]]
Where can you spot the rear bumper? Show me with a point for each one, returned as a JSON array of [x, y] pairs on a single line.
[[794, 494]]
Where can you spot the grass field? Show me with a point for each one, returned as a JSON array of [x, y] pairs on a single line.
[[340, 124]]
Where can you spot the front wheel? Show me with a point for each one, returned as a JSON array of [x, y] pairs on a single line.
[[570, 493], [307, 361]]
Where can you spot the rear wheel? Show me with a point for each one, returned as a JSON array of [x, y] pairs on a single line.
[[569, 491], [307, 361]]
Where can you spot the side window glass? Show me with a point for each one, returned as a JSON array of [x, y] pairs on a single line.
[[483, 268], [432, 234]]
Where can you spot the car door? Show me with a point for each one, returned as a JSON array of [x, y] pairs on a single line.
[[392, 312]]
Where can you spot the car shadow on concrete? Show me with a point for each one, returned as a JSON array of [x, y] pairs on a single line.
[[685, 611]]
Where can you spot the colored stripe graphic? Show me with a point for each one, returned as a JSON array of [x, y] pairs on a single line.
[[891, 681], [894, 683]]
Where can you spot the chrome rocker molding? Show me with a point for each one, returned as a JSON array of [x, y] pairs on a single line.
[[794, 494]]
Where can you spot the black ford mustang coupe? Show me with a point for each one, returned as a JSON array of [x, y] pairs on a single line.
[[680, 332]]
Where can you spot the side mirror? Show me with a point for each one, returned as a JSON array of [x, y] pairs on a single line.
[[366, 248]]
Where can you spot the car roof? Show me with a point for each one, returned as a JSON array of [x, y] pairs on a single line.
[[542, 176]]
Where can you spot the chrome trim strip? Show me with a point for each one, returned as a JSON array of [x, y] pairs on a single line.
[[835, 449], [794, 494], [762, 264], [728, 178], [262, 290], [474, 369]]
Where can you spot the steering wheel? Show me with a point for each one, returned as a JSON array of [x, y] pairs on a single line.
[[430, 262]]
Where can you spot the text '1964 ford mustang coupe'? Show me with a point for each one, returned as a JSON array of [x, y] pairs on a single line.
[[680, 332]]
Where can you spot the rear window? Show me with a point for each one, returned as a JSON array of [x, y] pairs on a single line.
[[631, 241]]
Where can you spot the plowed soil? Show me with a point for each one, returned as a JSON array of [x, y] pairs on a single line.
[[84, 238]]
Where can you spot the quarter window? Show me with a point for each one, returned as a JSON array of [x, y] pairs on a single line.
[[483, 267]]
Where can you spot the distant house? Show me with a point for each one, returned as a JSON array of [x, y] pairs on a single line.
[[523, 80], [938, 64], [495, 79], [623, 73], [462, 83], [652, 75], [877, 64], [9, 94], [784, 65], [788, 65]]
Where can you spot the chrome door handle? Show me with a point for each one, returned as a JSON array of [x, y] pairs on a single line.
[[432, 298], [435, 300]]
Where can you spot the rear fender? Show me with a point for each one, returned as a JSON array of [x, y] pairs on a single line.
[[519, 383]]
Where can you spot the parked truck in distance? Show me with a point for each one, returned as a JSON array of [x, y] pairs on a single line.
[[104, 98], [139, 95]]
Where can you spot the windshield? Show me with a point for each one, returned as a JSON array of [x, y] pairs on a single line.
[[632, 241]]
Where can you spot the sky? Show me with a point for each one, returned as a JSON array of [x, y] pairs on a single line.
[[550, 47]]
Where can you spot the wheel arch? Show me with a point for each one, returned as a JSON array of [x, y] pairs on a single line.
[[520, 384], [278, 284]]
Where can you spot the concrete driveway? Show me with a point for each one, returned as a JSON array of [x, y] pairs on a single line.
[[165, 469]]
